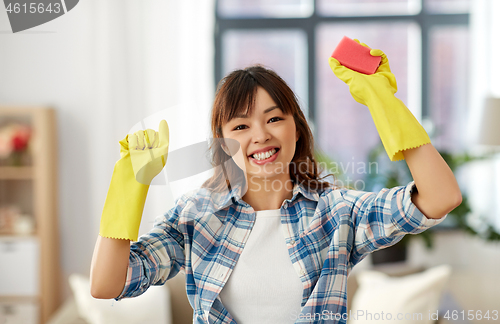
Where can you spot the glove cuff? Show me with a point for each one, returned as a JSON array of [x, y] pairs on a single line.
[[399, 130], [124, 205]]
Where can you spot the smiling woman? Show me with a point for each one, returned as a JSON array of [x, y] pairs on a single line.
[[255, 107], [265, 239], [267, 146]]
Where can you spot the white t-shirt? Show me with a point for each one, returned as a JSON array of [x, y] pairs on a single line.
[[264, 286]]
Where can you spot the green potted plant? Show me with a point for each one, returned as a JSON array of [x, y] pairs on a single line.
[[393, 174]]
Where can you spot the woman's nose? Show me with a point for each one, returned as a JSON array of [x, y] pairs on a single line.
[[260, 134]]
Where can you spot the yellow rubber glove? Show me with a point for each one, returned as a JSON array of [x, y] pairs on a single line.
[[143, 155], [399, 130]]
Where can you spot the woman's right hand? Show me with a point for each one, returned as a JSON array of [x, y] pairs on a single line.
[[148, 151], [143, 156]]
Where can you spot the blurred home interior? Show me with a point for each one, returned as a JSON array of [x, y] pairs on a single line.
[[73, 87]]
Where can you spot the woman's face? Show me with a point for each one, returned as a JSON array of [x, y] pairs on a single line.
[[267, 139]]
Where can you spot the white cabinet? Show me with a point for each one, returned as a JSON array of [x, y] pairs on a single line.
[[19, 269], [19, 313]]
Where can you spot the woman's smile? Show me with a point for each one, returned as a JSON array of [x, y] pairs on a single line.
[[263, 158]]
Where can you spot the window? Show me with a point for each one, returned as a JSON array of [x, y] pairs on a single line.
[[425, 41], [241, 48]]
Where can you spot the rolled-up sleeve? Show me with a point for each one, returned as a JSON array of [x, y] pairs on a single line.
[[410, 218], [381, 219], [157, 256]]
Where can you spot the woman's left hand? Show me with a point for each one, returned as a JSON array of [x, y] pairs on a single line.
[[363, 86], [399, 130]]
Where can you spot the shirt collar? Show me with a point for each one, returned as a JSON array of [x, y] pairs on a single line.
[[224, 199]]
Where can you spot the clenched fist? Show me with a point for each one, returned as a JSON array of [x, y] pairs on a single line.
[[148, 151]]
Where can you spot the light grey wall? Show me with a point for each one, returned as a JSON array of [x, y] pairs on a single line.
[[105, 66], [52, 65]]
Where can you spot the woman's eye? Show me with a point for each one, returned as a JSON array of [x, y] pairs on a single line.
[[274, 119], [238, 127]]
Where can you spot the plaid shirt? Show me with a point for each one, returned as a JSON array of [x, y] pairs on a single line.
[[326, 232]]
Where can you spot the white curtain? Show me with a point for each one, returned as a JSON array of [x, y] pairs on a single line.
[[485, 48], [151, 56], [483, 178]]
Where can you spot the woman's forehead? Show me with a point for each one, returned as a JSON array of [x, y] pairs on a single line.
[[242, 114], [261, 110]]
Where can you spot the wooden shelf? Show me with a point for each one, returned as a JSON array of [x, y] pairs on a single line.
[[16, 173], [19, 299], [33, 189]]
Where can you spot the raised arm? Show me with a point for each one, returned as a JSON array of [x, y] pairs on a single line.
[[109, 267], [438, 191], [143, 155], [403, 137]]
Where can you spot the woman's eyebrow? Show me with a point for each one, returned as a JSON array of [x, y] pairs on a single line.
[[265, 112]]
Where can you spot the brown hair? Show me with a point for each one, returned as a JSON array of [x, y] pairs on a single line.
[[236, 95]]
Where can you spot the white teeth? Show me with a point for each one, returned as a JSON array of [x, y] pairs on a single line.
[[263, 156]]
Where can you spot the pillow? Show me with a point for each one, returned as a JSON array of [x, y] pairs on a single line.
[[152, 307], [409, 299]]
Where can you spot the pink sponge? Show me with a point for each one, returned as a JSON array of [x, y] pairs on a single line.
[[355, 56]]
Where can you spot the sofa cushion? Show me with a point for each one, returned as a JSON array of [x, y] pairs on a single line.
[[409, 299], [151, 307]]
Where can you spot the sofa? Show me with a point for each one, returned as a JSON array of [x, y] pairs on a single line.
[[392, 288]]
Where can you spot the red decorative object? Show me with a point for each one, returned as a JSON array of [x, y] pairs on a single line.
[[14, 142]]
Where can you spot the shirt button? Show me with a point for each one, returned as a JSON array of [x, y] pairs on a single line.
[[302, 272], [292, 242]]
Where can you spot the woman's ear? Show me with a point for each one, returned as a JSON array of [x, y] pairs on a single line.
[[297, 136], [223, 144], [225, 149], [230, 146]]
